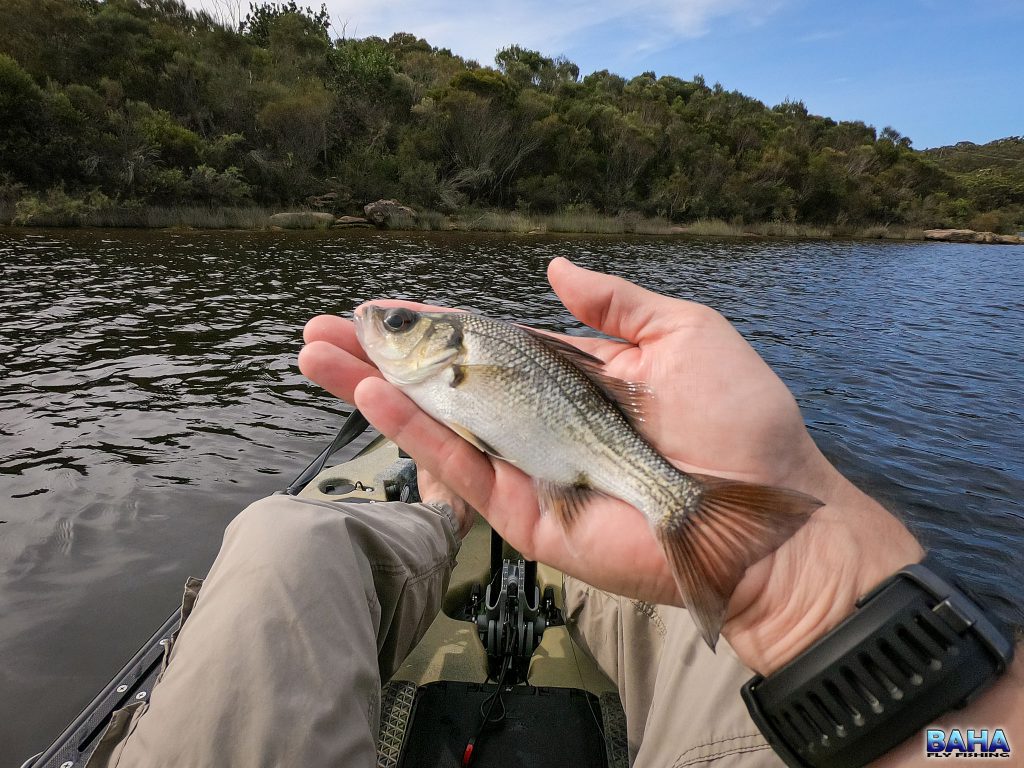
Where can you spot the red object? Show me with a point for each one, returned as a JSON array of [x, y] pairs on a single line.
[[467, 755]]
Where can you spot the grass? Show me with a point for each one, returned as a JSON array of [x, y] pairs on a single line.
[[577, 222], [720, 228], [145, 217], [470, 220], [183, 217]]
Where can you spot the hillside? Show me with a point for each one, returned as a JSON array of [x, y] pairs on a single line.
[[136, 103], [991, 175]]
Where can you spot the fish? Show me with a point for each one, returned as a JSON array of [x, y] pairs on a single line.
[[549, 408]]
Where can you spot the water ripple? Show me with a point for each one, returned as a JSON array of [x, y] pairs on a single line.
[[148, 391]]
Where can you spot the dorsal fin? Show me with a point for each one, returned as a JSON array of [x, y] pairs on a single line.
[[629, 396]]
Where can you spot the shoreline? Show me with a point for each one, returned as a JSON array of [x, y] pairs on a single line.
[[256, 218]]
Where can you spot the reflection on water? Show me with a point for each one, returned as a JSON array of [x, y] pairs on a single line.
[[148, 391]]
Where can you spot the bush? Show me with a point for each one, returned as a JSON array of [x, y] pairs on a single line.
[[219, 187], [59, 209], [993, 221], [10, 192]]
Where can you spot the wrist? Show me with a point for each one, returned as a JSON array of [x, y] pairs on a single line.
[[813, 581], [915, 648]]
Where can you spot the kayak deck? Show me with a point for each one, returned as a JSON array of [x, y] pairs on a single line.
[[431, 706]]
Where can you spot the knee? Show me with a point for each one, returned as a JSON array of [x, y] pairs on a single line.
[[270, 513], [277, 530]]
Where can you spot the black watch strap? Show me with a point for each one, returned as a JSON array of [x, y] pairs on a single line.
[[916, 647]]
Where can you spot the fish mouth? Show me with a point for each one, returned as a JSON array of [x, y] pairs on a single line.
[[357, 321], [368, 320], [359, 317]]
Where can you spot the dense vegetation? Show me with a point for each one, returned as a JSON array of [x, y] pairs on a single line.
[[990, 178], [145, 103]]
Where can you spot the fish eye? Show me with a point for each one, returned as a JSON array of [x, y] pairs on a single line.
[[399, 319]]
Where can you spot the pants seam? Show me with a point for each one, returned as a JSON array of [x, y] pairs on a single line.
[[429, 573], [713, 743], [716, 755]]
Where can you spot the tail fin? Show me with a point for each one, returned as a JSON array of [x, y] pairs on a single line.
[[734, 525]]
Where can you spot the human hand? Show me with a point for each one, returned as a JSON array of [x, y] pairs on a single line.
[[717, 409]]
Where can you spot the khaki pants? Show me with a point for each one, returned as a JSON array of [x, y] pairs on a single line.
[[310, 606]]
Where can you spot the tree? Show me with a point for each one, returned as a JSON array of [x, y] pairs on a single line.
[[261, 19], [21, 121]]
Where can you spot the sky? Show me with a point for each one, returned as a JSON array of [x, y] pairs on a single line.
[[938, 71]]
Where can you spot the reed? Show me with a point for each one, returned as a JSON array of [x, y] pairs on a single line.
[[499, 221], [200, 217], [789, 229]]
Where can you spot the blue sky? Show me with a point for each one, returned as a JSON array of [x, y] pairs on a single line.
[[939, 71]]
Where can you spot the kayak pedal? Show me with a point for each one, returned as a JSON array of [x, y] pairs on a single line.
[[511, 616]]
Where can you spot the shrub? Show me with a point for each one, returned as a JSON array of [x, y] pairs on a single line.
[[59, 209], [993, 221]]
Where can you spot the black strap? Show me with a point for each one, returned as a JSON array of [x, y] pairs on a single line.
[[916, 647]]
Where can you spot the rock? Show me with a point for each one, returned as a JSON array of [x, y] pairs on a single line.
[[385, 212], [302, 220], [970, 236], [950, 235], [348, 222], [328, 200]]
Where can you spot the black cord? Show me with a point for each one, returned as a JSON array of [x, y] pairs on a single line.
[[493, 698], [597, 721]]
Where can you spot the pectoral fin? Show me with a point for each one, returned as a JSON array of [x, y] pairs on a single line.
[[473, 440]]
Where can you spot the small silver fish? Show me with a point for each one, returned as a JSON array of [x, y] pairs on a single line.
[[548, 408]]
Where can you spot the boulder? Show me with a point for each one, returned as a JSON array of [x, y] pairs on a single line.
[[328, 200], [302, 220], [383, 212], [348, 222], [970, 236]]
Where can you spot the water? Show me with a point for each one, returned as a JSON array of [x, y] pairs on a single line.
[[148, 391]]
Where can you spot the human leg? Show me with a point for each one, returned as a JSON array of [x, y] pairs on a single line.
[[306, 609], [682, 701]]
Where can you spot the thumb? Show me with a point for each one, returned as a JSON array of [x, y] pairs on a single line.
[[611, 305]]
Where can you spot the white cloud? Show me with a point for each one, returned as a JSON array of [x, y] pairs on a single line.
[[479, 30]]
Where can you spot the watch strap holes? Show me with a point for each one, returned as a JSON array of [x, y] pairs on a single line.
[[874, 670], [844, 702], [900, 662], [831, 719], [919, 647], [858, 685]]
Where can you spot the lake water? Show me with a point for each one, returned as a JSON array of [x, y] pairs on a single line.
[[148, 391]]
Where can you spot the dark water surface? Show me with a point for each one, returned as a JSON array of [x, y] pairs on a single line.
[[148, 391]]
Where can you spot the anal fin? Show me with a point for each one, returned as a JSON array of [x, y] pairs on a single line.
[[734, 525]]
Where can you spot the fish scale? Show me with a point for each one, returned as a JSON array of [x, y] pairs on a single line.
[[613, 450], [549, 409]]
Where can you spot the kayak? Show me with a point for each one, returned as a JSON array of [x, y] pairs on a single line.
[[495, 680]]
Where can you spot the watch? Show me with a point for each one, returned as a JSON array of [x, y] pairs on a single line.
[[915, 647]]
